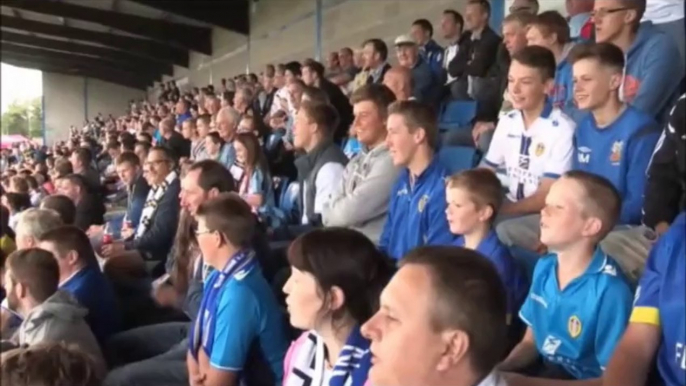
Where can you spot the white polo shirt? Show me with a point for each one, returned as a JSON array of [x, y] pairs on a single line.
[[544, 150]]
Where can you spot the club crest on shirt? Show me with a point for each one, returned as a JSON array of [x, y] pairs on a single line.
[[616, 152], [574, 326], [422, 203], [540, 149]]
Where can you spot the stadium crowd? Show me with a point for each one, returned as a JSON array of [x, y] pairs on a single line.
[[507, 210]]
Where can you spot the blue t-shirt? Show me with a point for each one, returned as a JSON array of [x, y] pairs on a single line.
[[660, 301], [93, 290], [619, 152], [416, 213], [249, 335], [513, 279], [578, 327]]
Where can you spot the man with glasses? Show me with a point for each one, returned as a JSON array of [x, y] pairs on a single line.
[[153, 238], [652, 75]]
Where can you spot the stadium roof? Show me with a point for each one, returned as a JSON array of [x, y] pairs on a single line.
[[129, 42]]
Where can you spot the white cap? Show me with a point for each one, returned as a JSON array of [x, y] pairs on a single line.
[[404, 39]]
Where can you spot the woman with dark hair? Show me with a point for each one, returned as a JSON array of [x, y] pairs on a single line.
[[251, 173], [337, 276]]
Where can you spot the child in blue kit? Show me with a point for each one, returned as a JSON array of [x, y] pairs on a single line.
[[579, 302], [474, 198]]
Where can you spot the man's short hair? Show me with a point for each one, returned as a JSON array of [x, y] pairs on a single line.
[[230, 215], [418, 115], [37, 269], [378, 94], [315, 67], [457, 17], [269, 71], [484, 4], [482, 185], [639, 6], [78, 180], [63, 167], [551, 22], [113, 145], [205, 118], [168, 124], [84, 155], [523, 18], [468, 296], [34, 222], [168, 156], [425, 25], [602, 200], [146, 145], [379, 46], [128, 157], [315, 94], [607, 54], [69, 238], [540, 58], [63, 205], [20, 184], [213, 175], [50, 364], [294, 68], [324, 115]]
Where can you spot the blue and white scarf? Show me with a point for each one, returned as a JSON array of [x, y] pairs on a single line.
[[155, 196], [308, 359], [202, 329]]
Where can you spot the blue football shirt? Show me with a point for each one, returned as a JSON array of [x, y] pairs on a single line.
[[512, 277], [250, 331], [660, 300], [578, 327]]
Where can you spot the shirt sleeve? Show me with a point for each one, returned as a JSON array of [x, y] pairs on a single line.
[[495, 158], [235, 330], [613, 314], [647, 297], [328, 178], [562, 152], [658, 85], [642, 144], [256, 185]]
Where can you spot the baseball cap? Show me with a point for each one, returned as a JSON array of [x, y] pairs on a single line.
[[404, 40]]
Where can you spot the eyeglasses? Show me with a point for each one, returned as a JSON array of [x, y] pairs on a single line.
[[601, 13]]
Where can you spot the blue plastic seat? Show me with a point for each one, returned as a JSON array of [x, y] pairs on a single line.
[[456, 115], [458, 158]]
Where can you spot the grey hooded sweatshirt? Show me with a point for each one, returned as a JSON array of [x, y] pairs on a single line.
[[59, 319]]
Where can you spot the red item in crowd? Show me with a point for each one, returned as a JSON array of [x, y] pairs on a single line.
[[588, 30]]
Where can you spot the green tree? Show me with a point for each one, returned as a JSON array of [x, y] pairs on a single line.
[[24, 118]]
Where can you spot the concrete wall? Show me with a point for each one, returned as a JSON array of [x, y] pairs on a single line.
[[284, 30], [69, 100]]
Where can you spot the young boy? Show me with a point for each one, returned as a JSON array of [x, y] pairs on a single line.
[[579, 302], [614, 141], [474, 198], [533, 144]]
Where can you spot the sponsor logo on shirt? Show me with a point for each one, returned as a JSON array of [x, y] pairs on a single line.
[[584, 155], [539, 299], [631, 86], [680, 355], [550, 345], [610, 270], [574, 326], [616, 152]]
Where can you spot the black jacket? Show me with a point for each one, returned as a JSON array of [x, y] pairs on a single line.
[[665, 194], [475, 57], [342, 105], [157, 241]]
